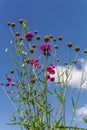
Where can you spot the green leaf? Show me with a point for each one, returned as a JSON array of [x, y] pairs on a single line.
[[74, 105], [85, 119], [20, 111]]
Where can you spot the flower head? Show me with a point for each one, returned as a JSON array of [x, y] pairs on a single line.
[[50, 72], [45, 46], [29, 36], [35, 63], [10, 82]]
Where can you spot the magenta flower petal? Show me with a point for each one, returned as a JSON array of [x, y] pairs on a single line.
[[52, 71], [8, 84], [52, 79], [44, 46], [10, 91], [8, 78], [48, 77], [29, 35], [13, 84]]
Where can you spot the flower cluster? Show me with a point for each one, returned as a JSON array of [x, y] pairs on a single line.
[[35, 63], [45, 48], [9, 83], [29, 36], [50, 72]]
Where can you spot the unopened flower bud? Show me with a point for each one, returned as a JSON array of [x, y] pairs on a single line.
[[56, 46], [32, 50], [60, 38], [69, 44], [13, 24], [38, 37], [34, 45], [12, 71], [46, 38], [77, 48], [85, 51], [9, 23], [21, 21]]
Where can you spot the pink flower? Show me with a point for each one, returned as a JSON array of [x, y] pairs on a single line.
[[10, 91], [35, 62], [44, 46], [29, 36], [50, 72], [52, 79], [10, 82], [8, 78]]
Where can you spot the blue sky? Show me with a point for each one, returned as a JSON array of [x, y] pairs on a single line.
[[58, 17]]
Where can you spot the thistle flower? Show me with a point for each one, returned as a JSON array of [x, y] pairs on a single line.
[[35, 63], [29, 36], [43, 47], [10, 82]]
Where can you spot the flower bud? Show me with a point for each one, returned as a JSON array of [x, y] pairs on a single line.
[[77, 48], [46, 38], [60, 38], [38, 37], [13, 24], [21, 21], [32, 50], [56, 46], [69, 44], [85, 51]]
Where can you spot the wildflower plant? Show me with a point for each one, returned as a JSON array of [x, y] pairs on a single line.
[[40, 77]]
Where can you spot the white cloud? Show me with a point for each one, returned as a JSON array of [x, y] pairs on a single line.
[[74, 75], [81, 112]]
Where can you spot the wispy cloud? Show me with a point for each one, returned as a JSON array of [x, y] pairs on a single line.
[[81, 112], [75, 74]]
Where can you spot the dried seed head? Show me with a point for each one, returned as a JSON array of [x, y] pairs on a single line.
[[75, 61], [85, 51], [77, 48], [17, 33], [50, 36], [21, 21], [9, 23], [46, 38], [38, 37], [32, 50], [34, 45], [56, 46], [35, 32], [69, 44], [12, 71], [27, 60], [13, 24], [60, 38]]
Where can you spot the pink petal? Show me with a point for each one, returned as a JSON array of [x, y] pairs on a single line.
[[8, 78], [8, 84], [13, 84]]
